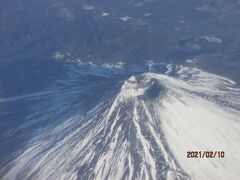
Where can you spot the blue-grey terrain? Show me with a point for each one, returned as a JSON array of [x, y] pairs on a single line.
[[115, 90]]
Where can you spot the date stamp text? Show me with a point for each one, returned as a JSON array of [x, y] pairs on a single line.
[[205, 154]]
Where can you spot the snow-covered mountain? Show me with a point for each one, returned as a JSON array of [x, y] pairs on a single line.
[[106, 122]]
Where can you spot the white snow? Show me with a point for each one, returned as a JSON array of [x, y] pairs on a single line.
[[131, 88], [147, 14], [88, 7], [105, 14], [125, 18], [58, 56], [212, 39], [146, 146], [194, 124], [191, 61]]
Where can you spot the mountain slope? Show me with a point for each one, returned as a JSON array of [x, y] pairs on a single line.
[[135, 124]]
